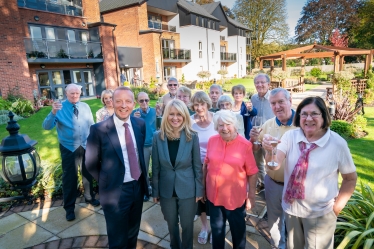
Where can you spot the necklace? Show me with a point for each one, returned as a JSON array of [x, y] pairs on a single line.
[[174, 138]]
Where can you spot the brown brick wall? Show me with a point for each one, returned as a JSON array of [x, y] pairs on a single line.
[[91, 10], [13, 64]]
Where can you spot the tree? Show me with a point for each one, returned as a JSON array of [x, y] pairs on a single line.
[[320, 17], [363, 31], [267, 19], [228, 11], [339, 40], [201, 2]]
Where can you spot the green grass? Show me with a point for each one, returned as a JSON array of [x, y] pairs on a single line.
[[362, 149], [247, 83]]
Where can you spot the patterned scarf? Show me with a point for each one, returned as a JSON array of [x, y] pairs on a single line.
[[295, 186]]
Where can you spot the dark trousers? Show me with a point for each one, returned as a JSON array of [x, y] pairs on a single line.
[[123, 216], [70, 163], [185, 209], [218, 217]]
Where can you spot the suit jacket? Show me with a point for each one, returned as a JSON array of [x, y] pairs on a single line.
[[104, 159], [186, 176]]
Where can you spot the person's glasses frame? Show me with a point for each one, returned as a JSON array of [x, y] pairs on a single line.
[[143, 100], [312, 115], [261, 82], [172, 84]]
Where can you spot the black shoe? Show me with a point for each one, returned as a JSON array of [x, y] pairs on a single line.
[[70, 216], [146, 198], [260, 187], [93, 202]]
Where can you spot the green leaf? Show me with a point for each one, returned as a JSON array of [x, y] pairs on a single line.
[[347, 239], [371, 217], [361, 237], [368, 244]]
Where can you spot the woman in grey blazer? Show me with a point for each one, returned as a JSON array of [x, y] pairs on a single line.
[[177, 172]]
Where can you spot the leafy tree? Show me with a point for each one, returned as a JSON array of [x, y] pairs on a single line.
[[320, 17], [267, 19], [201, 2], [228, 11], [339, 40], [363, 31]]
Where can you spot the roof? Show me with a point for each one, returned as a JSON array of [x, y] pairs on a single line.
[[210, 7], [237, 24], [107, 5], [196, 9]]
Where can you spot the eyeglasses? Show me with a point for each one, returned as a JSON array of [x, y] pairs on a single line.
[[261, 82], [143, 100], [172, 84], [312, 115]]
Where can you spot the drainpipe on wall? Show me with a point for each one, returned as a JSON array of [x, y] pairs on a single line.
[[162, 61], [115, 54], [207, 48], [237, 54]]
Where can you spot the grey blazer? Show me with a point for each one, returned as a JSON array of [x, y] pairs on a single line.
[[186, 177]]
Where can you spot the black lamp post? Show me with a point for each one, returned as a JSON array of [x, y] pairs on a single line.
[[19, 161]]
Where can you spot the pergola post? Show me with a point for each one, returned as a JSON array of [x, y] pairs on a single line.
[[341, 62], [368, 59], [271, 69], [261, 64], [336, 62], [302, 71], [284, 68]]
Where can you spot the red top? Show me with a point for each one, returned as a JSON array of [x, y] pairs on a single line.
[[228, 165]]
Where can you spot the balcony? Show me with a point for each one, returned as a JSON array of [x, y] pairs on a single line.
[[176, 55], [59, 51], [228, 57], [160, 26], [64, 7]]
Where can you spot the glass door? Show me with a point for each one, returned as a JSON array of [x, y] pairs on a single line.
[[169, 72]]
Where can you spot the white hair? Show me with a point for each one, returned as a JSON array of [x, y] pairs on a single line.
[[226, 116], [73, 86]]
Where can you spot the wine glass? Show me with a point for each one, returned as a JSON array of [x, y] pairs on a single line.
[[160, 104], [257, 123], [248, 103], [274, 140]]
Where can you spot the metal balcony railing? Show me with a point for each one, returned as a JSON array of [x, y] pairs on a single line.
[[228, 56], [159, 25], [61, 49], [176, 54], [57, 6]]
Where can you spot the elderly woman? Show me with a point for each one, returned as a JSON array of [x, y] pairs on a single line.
[[202, 122], [244, 109], [177, 172], [314, 156], [226, 103], [229, 167], [184, 94], [108, 110]]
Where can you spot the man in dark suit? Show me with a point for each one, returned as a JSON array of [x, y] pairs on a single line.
[[114, 157]]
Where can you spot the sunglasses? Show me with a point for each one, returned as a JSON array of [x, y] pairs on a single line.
[[143, 100], [172, 84]]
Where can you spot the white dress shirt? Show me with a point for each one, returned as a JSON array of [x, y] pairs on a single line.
[[121, 136]]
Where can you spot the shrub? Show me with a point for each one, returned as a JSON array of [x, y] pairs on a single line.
[[316, 72], [342, 80], [355, 226], [343, 128], [358, 125], [5, 104], [279, 75], [22, 107], [151, 94], [4, 117], [308, 81]]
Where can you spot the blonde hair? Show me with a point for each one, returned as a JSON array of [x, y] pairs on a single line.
[[109, 92], [200, 97], [167, 129]]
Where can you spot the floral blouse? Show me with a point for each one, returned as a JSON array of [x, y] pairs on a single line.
[[102, 114]]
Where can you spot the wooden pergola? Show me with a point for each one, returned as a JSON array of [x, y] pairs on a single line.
[[318, 51]]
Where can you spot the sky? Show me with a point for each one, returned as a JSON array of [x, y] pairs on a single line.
[[294, 8]]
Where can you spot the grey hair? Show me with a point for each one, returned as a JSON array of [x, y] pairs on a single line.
[[262, 75], [224, 98], [137, 96], [228, 117], [216, 86], [280, 89], [108, 91], [73, 86], [173, 79]]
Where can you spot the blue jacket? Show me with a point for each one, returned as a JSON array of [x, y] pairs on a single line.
[[247, 119]]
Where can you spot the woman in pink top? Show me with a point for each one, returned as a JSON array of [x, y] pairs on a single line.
[[229, 167]]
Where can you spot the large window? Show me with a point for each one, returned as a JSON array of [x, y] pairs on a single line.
[[154, 22], [52, 83], [169, 72], [200, 50]]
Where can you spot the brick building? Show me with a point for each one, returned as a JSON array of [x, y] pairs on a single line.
[[48, 44], [158, 39]]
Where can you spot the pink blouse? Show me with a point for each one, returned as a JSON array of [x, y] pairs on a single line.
[[228, 165]]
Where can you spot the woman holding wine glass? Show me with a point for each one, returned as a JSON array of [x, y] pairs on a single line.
[[313, 156], [243, 108]]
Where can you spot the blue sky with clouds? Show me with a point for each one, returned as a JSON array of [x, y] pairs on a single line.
[[294, 8]]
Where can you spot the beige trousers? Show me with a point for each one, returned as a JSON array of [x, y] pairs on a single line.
[[311, 233]]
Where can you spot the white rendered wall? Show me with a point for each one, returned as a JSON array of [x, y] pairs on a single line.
[[237, 44]]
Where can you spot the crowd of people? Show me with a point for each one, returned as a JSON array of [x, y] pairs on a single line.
[[210, 156]]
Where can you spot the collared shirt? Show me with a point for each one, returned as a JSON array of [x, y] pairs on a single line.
[[144, 112], [72, 132], [277, 175], [228, 165], [121, 136], [263, 106], [321, 183]]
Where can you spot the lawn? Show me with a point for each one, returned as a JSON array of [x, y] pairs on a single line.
[[361, 149]]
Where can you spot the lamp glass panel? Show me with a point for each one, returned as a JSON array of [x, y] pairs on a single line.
[[37, 161], [13, 169], [1, 167], [28, 165]]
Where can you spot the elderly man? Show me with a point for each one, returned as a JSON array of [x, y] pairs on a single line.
[[72, 119], [114, 157], [280, 102], [149, 115], [260, 101], [173, 88], [215, 91]]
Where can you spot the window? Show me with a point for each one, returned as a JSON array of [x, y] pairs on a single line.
[[212, 55], [212, 46], [200, 50], [209, 24], [50, 33], [169, 72], [154, 22], [202, 22], [222, 38], [214, 25], [200, 45], [197, 21]]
